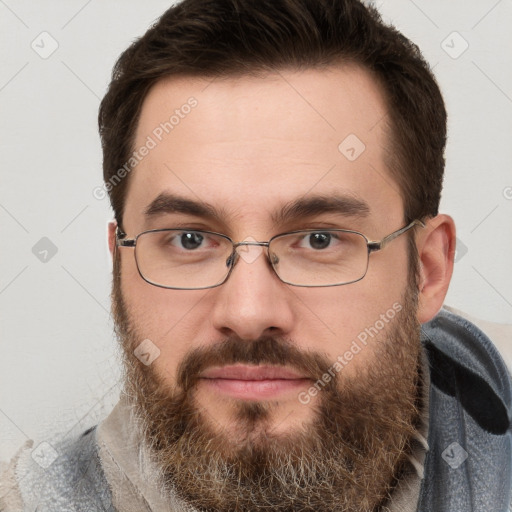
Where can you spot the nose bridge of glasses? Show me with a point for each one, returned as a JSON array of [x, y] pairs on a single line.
[[250, 242], [247, 255]]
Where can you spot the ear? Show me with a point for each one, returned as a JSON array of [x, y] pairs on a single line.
[[112, 226], [436, 250]]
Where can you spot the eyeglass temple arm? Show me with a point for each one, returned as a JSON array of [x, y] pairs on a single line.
[[378, 245], [120, 235]]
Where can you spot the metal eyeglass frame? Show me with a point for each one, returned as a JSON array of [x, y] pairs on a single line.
[[372, 245]]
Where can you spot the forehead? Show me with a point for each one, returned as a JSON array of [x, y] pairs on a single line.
[[250, 145]]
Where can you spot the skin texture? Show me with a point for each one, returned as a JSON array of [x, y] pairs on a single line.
[[251, 146]]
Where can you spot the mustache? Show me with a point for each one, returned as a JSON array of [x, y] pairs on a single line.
[[267, 350]]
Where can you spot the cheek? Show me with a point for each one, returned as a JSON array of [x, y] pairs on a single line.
[[157, 309], [345, 323], [167, 318]]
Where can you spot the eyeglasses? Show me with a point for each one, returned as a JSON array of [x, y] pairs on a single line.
[[184, 259]]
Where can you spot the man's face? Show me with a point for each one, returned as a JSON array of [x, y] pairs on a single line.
[[249, 149]]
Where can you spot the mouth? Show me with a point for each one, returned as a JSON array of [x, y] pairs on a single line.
[[253, 382]]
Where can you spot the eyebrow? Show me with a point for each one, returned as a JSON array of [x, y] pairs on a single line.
[[310, 206], [303, 207], [170, 203]]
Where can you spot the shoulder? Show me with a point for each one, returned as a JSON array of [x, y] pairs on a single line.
[[66, 476], [465, 364], [470, 406], [499, 334]]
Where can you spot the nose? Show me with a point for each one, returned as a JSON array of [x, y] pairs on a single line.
[[253, 301]]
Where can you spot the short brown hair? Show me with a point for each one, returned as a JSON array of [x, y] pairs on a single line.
[[227, 37]]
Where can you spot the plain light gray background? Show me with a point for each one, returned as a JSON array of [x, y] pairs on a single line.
[[58, 365]]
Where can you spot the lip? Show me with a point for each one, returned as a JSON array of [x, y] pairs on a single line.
[[253, 382], [244, 372]]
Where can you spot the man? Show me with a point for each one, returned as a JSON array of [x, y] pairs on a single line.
[[280, 266]]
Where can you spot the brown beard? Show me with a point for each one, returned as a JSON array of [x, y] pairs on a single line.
[[347, 458]]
